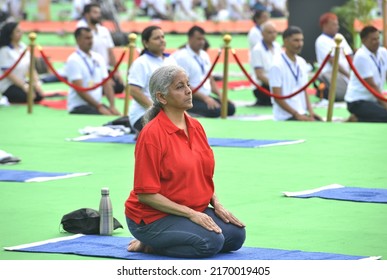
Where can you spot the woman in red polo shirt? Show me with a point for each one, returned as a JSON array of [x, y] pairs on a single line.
[[168, 211]]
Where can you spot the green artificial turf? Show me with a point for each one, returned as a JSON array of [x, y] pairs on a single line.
[[249, 182]]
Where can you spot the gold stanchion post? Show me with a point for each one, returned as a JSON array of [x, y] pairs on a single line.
[[335, 68], [132, 45], [223, 113], [30, 94]]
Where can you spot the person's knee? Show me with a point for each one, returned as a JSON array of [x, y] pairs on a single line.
[[211, 245], [236, 240]]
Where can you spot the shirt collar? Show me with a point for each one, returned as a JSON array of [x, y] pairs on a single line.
[[152, 55], [190, 51], [369, 52], [330, 36], [169, 126]]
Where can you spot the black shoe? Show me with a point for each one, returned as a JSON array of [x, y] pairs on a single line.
[[10, 160]]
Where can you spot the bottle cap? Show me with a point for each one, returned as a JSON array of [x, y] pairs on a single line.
[[105, 191]]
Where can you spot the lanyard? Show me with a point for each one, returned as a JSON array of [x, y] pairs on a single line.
[[201, 64], [378, 64], [91, 69], [295, 75]]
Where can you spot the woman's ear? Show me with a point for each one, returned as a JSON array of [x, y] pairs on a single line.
[[161, 98]]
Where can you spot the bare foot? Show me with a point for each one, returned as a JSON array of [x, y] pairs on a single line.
[[136, 246]]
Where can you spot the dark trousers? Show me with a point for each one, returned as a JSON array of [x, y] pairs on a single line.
[[18, 95], [200, 108], [117, 86], [294, 119], [262, 98], [368, 111], [86, 110], [177, 236]]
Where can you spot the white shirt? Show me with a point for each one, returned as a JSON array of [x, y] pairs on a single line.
[[235, 8], [8, 57], [196, 66], [184, 10], [140, 72], [262, 57], [160, 5], [91, 70], [324, 44], [368, 65], [102, 40], [78, 6], [254, 36], [290, 77]]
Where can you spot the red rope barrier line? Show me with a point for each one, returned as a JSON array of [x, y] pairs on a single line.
[[9, 70], [265, 91], [367, 86], [77, 88], [208, 74]]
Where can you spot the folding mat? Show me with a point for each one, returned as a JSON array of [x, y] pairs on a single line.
[[27, 176], [219, 142], [115, 247], [340, 192]]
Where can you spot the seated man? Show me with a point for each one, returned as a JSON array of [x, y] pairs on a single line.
[[324, 43], [287, 75], [262, 57], [85, 68], [371, 63], [196, 63]]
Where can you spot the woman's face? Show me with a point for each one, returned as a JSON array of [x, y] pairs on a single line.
[[156, 43], [16, 34], [179, 93]]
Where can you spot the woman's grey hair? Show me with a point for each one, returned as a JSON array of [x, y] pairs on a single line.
[[160, 81]]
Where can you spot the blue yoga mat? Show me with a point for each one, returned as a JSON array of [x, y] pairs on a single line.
[[115, 247], [219, 142], [339, 192], [35, 176]]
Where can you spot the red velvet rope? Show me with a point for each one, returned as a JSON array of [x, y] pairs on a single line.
[[208, 74], [78, 88], [9, 70], [367, 86], [265, 91]]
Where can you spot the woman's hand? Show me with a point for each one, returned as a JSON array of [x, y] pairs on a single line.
[[205, 221], [227, 216]]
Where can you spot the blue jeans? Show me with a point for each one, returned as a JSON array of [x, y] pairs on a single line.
[[176, 236]]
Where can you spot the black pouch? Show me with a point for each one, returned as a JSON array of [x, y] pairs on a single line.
[[84, 220]]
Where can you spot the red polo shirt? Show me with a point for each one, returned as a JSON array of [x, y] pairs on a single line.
[[171, 164]]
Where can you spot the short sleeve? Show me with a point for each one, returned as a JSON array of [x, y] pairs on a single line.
[[137, 75], [73, 71], [363, 66], [147, 167], [275, 76]]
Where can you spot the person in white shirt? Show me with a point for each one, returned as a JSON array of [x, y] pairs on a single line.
[[255, 33], [196, 62], [324, 43], [262, 57], [102, 42], [15, 86], [277, 8], [78, 6], [288, 74], [371, 63], [85, 68], [152, 57], [237, 9], [185, 10], [159, 9]]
